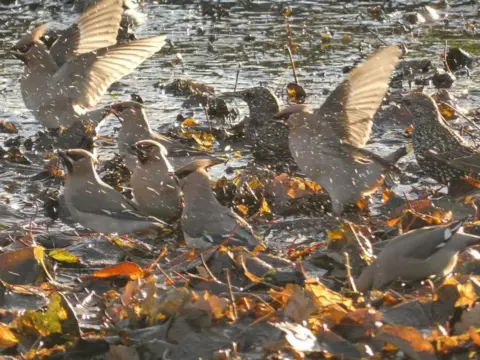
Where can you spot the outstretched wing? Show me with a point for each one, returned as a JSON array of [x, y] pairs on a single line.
[[96, 28]]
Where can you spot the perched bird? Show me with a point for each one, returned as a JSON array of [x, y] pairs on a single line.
[[268, 139], [96, 205], [417, 255], [441, 153], [205, 222], [154, 190], [135, 127], [62, 84], [328, 144]]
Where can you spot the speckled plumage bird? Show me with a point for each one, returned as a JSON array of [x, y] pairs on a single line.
[[327, 144], [269, 140], [441, 153]]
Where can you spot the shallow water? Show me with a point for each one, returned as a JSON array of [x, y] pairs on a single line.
[[263, 60]]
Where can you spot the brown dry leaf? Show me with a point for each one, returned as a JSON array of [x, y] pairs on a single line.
[[363, 322], [22, 266], [7, 338], [282, 297], [408, 130], [299, 306], [408, 340], [212, 304], [124, 269], [452, 292], [323, 296]]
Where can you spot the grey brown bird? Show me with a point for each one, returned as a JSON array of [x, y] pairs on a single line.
[[205, 222], [417, 255], [135, 127], [269, 140], [62, 84], [441, 153], [154, 190], [94, 204], [328, 144]]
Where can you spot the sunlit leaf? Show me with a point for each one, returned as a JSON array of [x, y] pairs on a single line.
[[46, 322], [264, 208], [335, 234], [124, 269], [346, 38], [63, 255], [242, 209], [7, 338], [189, 122]]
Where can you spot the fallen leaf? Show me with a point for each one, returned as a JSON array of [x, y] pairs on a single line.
[[63, 255], [124, 269]]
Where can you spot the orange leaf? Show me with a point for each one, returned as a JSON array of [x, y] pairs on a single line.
[[243, 209], [394, 221], [124, 269], [189, 122]]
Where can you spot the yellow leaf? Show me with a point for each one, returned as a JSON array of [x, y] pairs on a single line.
[[255, 184], [7, 338], [63, 255], [335, 234], [189, 122], [264, 208], [237, 155]]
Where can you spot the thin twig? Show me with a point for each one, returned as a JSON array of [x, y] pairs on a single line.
[[239, 66], [462, 115], [232, 298], [445, 63], [349, 272], [292, 63], [207, 269], [378, 37]]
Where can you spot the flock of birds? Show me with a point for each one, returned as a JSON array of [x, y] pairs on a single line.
[[63, 82]]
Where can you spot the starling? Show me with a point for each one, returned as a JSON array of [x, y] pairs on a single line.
[[269, 140], [440, 152]]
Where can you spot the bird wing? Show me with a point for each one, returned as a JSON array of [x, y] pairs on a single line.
[[101, 199], [85, 78], [350, 108], [461, 158], [96, 28], [423, 243]]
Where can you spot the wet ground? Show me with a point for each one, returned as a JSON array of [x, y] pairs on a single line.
[[214, 41]]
